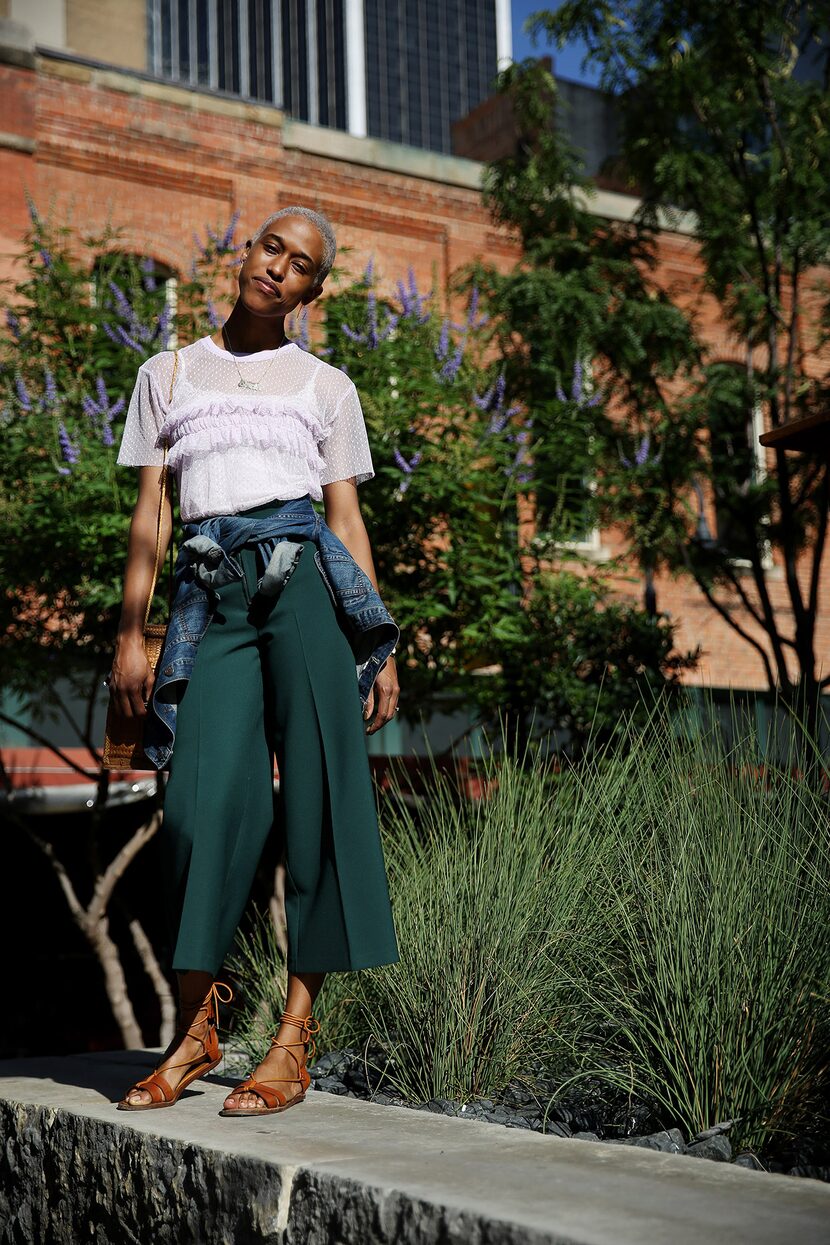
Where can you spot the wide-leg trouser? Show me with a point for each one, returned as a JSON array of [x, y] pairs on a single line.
[[274, 676]]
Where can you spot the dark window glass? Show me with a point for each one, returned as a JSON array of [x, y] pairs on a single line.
[[228, 43], [203, 49], [261, 84], [183, 18], [166, 49]]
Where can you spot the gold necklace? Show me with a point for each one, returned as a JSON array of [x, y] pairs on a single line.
[[252, 385]]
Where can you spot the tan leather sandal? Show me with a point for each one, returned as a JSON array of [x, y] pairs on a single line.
[[155, 1084], [275, 1099]]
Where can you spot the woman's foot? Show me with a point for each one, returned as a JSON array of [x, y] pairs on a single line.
[[279, 1069], [187, 1047]]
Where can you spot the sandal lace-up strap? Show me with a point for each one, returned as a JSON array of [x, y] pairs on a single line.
[[155, 1084], [309, 1026], [276, 1099]]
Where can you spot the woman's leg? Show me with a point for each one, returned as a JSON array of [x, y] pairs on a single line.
[[278, 1065], [218, 811], [186, 1045], [336, 896]]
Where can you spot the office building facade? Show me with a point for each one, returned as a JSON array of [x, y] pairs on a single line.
[[400, 70]]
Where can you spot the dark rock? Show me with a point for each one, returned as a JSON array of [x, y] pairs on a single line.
[[750, 1161], [553, 1129], [670, 1141], [440, 1106], [585, 1136], [717, 1148], [714, 1131], [330, 1085], [807, 1169]]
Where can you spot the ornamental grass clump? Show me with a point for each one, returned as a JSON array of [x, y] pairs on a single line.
[[653, 919], [714, 999], [493, 909]]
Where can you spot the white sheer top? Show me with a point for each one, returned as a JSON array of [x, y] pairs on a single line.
[[231, 448]]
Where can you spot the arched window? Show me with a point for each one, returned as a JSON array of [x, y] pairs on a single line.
[[140, 294]]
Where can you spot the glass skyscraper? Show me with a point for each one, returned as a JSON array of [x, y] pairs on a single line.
[[401, 70]]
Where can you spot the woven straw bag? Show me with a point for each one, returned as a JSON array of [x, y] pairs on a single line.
[[124, 737]]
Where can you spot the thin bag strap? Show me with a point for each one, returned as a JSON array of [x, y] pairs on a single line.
[[161, 508]]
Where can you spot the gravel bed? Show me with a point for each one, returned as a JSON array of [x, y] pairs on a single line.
[[591, 1112]]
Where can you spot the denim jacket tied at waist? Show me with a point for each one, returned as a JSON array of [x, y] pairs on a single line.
[[206, 562]]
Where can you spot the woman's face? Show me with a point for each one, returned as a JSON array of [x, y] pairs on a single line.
[[279, 270]]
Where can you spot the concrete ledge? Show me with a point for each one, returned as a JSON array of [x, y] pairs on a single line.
[[339, 1170]]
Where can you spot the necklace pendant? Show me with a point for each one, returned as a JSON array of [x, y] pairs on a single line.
[[253, 385]]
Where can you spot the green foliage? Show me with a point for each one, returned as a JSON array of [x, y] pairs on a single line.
[[448, 451], [653, 919], [81, 319], [574, 639], [725, 115]]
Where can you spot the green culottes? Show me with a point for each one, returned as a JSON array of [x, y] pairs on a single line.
[[275, 676]]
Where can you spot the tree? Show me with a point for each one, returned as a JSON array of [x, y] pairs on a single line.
[[718, 118], [455, 464]]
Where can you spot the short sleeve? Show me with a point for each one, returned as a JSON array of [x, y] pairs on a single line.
[[145, 415], [345, 450]]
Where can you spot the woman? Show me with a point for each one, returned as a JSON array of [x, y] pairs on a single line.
[[255, 427]]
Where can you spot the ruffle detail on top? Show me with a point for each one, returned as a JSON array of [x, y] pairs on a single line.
[[196, 431]]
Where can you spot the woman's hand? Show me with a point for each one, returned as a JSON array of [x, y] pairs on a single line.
[[131, 679], [383, 697]]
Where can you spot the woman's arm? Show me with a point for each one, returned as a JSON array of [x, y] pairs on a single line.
[[345, 520], [132, 678]]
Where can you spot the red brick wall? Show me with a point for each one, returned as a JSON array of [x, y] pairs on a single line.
[[166, 163]]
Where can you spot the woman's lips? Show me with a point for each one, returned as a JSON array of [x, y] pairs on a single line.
[[267, 287]]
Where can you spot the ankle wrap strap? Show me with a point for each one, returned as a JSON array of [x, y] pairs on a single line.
[[210, 1003], [308, 1024]]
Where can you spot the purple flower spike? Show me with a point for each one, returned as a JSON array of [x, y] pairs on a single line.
[[50, 391], [407, 467], [33, 213], [13, 325], [70, 451], [451, 368], [212, 315], [443, 346], [369, 271], [576, 387], [560, 394], [23, 394], [226, 243], [148, 270], [642, 453], [47, 259], [163, 326]]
